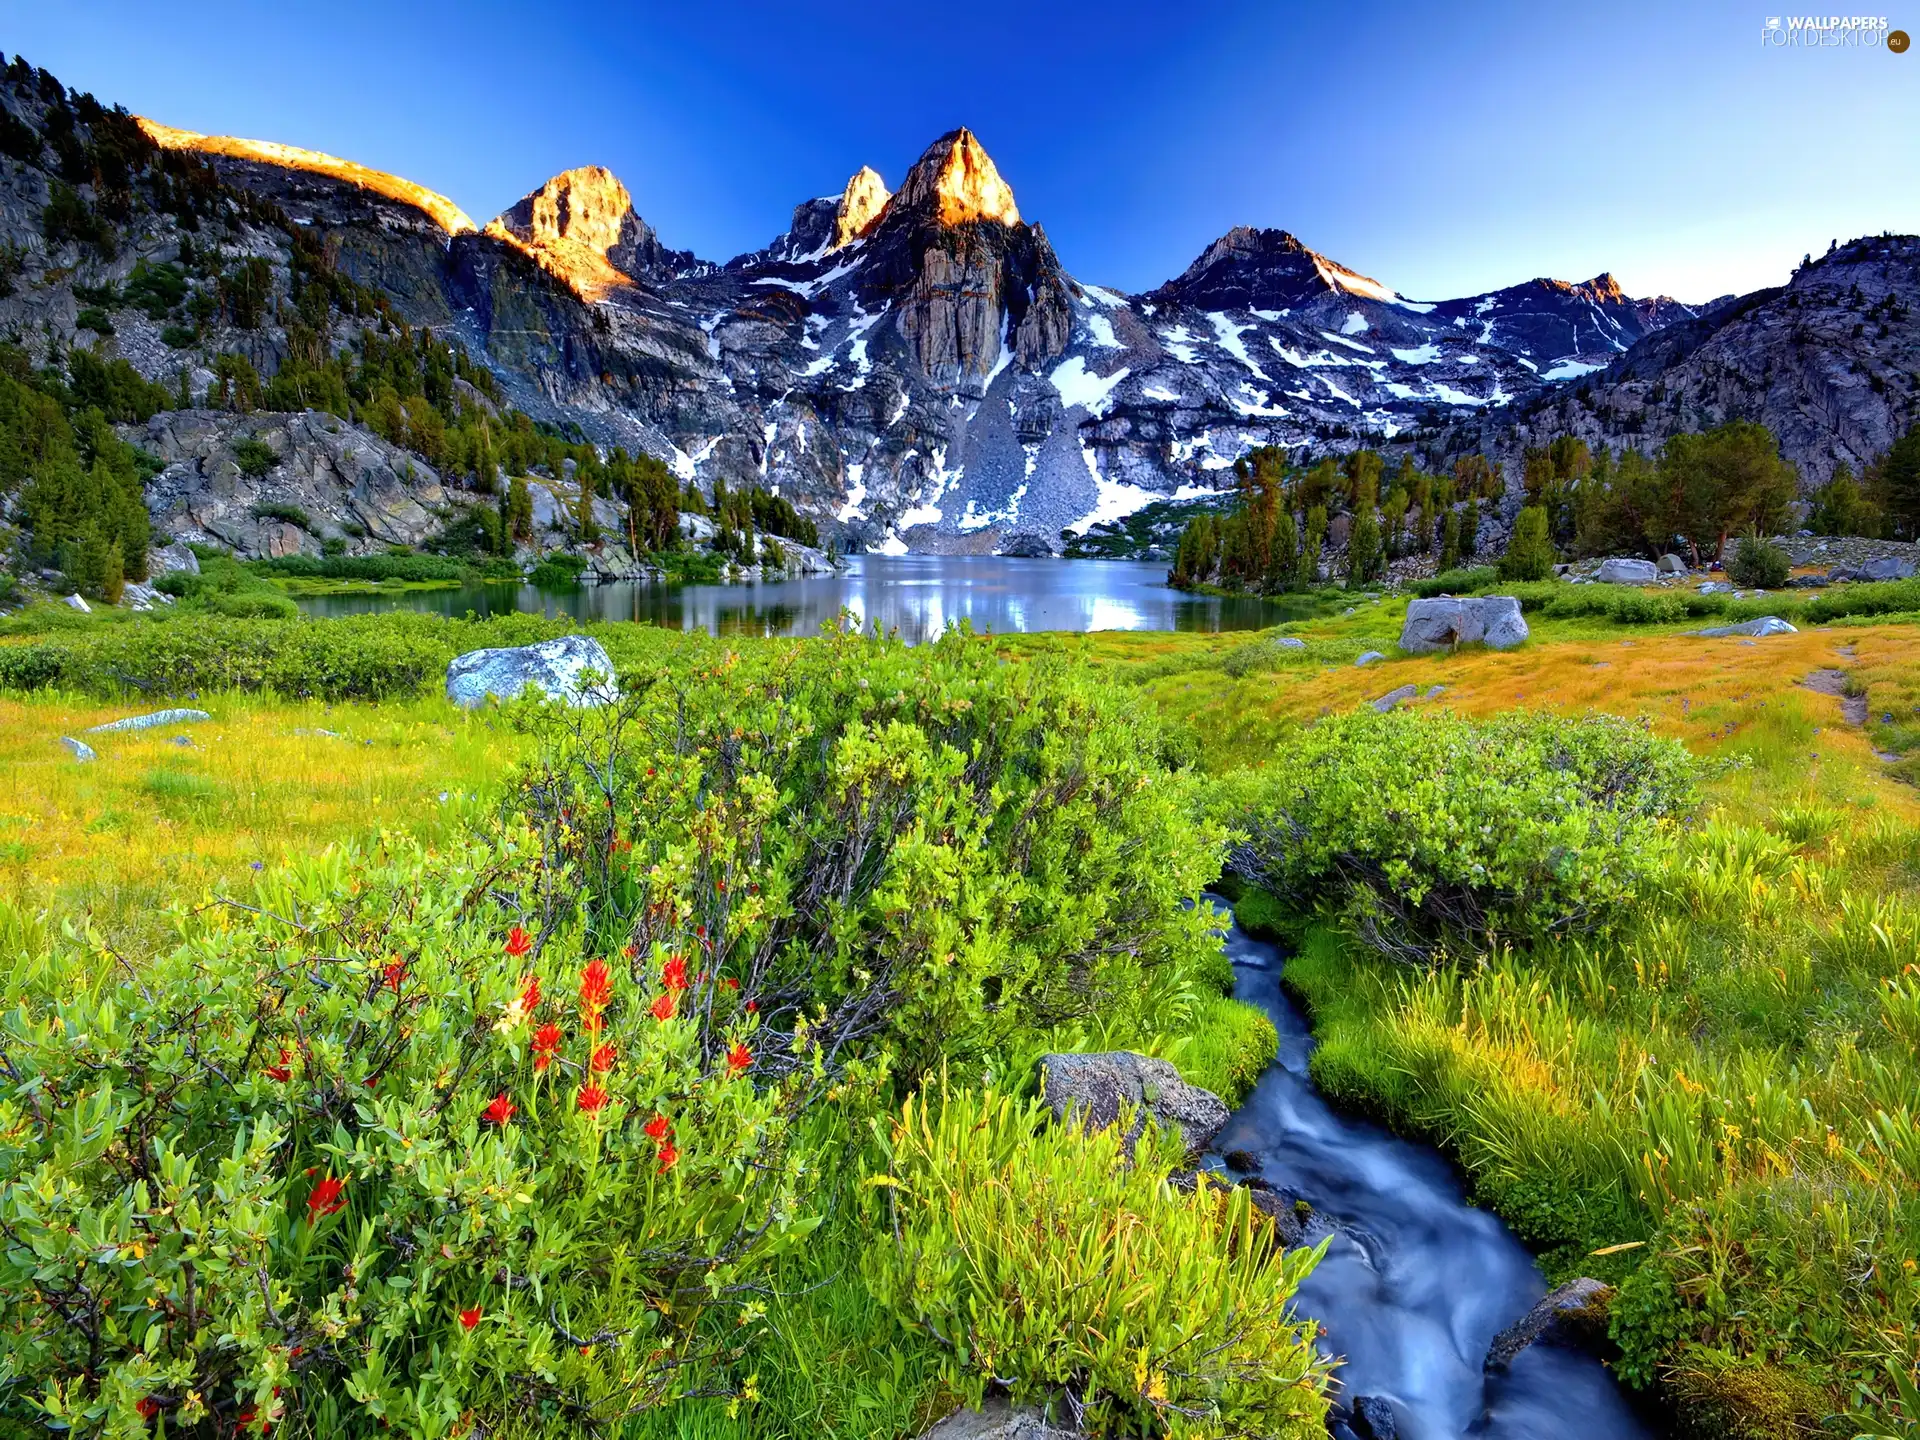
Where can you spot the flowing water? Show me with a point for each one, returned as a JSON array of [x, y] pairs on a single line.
[[1416, 1282], [917, 595]]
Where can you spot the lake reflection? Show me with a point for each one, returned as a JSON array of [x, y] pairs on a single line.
[[917, 595]]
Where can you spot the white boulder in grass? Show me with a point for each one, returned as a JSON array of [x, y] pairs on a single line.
[[1445, 621], [558, 669], [1623, 570], [1765, 625]]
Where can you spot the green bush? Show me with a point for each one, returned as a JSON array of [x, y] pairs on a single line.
[[560, 570], [178, 337], [409, 567], [254, 456], [1457, 582], [1433, 830], [95, 319], [1892, 597], [1032, 1251], [292, 514], [1759, 565]]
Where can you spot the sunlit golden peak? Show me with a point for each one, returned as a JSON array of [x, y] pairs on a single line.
[[449, 216], [865, 197], [581, 227], [957, 180]]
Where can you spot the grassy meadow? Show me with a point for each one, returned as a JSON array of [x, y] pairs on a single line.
[[1709, 1102]]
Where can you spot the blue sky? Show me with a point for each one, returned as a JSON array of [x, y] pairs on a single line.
[[1442, 149]]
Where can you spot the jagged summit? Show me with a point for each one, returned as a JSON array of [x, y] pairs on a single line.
[[449, 216], [1251, 269], [956, 182], [859, 206], [582, 227]]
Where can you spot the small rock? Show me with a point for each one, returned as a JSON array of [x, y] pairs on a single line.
[[554, 667], [1242, 1160], [75, 602], [82, 751], [1393, 697], [1373, 1418], [183, 741], [148, 722], [1290, 642], [996, 1420], [1765, 625], [1433, 691], [1624, 571], [1714, 587], [1369, 658], [1289, 1225], [1095, 1087], [1672, 565], [1888, 567], [1574, 1316]]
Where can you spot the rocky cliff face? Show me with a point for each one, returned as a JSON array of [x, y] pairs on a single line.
[[1829, 362], [581, 227]]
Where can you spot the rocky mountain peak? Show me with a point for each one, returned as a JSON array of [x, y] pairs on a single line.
[[956, 182], [1248, 269], [860, 205], [582, 227]]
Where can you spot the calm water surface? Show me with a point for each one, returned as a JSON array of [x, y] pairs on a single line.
[[918, 595]]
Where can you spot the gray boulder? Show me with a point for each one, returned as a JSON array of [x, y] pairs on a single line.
[[1093, 1089], [1888, 567], [82, 751], [1624, 571], [147, 722], [1369, 658], [1444, 622], [1393, 697], [556, 668], [1290, 642], [1765, 625], [1672, 565], [75, 602], [996, 1420], [1574, 1317]]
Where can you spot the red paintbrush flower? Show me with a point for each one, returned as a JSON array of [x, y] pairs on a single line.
[[673, 974], [546, 1040], [603, 1058], [632, 952], [530, 995], [738, 1058], [499, 1112], [596, 985], [663, 1007], [656, 1128], [667, 1156], [518, 942], [148, 1407], [731, 983], [591, 1098], [470, 1318], [282, 1072], [394, 974], [753, 1007], [325, 1198]]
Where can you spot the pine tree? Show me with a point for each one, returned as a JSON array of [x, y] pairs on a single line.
[[583, 513], [1283, 566], [519, 509], [1363, 549], [1450, 542], [1529, 549], [1316, 536], [1470, 529]]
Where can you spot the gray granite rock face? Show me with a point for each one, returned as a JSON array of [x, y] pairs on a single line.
[[1093, 1089], [81, 751], [1765, 625], [148, 722], [558, 669]]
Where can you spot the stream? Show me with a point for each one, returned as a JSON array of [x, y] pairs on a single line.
[[1416, 1282]]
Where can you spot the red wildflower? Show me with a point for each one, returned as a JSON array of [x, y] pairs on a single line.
[[701, 931], [518, 942], [148, 1407], [499, 1112], [657, 1128], [723, 886], [596, 985], [739, 1058], [591, 1097], [394, 974], [282, 1072], [603, 1058], [546, 1040], [632, 951], [673, 974], [753, 1007], [663, 1007], [470, 1318], [530, 994], [667, 1156], [325, 1198], [731, 983]]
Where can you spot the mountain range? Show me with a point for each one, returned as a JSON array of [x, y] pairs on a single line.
[[918, 370]]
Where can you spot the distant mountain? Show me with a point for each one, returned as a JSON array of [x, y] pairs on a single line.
[[917, 369], [1830, 362]]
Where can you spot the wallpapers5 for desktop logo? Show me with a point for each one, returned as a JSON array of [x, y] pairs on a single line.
[[1833, 32]]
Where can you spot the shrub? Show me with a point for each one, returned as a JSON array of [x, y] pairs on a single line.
[[1428, 831], [1759, 565], [95, 319], [254, 456], [1034, 1252], [1457, 582], [291, 514], [178, 337], [1530, 549], [414, 1163], [560, 570]]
